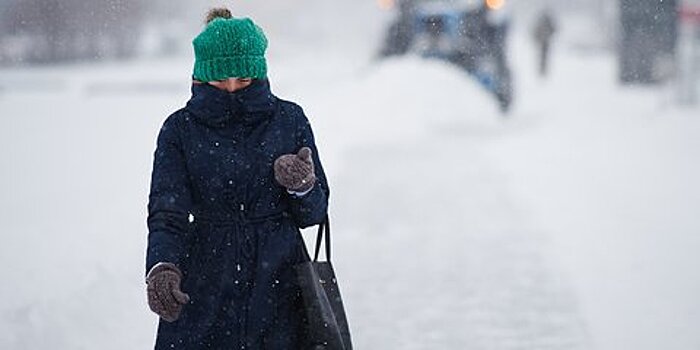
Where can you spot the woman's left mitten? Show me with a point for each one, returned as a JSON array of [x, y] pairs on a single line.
[[165, 297], [296, 171]]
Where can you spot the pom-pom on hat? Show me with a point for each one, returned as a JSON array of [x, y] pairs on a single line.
[[220, 12], [229, 47]]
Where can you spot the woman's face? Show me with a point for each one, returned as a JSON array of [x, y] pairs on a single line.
[[231, 84]]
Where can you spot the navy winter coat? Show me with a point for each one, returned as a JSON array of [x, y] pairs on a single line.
[[217, 213]]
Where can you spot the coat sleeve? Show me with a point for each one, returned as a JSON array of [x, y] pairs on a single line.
[[310, 208], [169, 201]]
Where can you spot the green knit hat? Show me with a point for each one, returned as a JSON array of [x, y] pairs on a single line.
[[230, 48]]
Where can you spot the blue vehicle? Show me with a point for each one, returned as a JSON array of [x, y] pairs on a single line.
[[461, 32]]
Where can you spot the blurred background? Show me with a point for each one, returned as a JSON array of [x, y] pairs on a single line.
[[506, 174]]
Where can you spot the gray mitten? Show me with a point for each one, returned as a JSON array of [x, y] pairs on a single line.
[[296, 171], [164, 295]]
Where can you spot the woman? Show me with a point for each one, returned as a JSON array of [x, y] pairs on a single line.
[[236, 174]]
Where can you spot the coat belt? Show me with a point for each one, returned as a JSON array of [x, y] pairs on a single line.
[[240, 236], [241, 218]]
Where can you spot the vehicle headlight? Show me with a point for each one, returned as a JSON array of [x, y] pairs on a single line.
[[386, 4], [495, 4]]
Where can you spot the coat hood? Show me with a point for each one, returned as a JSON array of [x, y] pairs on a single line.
[[215, 107]]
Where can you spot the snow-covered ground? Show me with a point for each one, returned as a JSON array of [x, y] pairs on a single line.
[[570, 224]]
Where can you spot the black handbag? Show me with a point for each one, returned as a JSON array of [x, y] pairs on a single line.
[[326, 324]]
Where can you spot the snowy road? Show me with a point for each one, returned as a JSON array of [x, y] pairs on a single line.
[[446, 264], [570, 225]]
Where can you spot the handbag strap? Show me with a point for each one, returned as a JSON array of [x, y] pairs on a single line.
[[324, 229]]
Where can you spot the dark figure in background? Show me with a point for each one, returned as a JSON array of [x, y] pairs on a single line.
[[544, 30], [400, 33], [481, 52]]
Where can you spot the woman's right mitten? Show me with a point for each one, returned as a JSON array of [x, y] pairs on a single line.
[[164, 295]]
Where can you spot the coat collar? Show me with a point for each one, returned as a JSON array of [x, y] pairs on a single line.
[[216, 107]]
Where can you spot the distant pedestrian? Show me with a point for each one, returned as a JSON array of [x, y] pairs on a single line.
[[236, 175], [544, 30]]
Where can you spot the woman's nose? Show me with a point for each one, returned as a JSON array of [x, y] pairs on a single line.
[[231, 85]]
